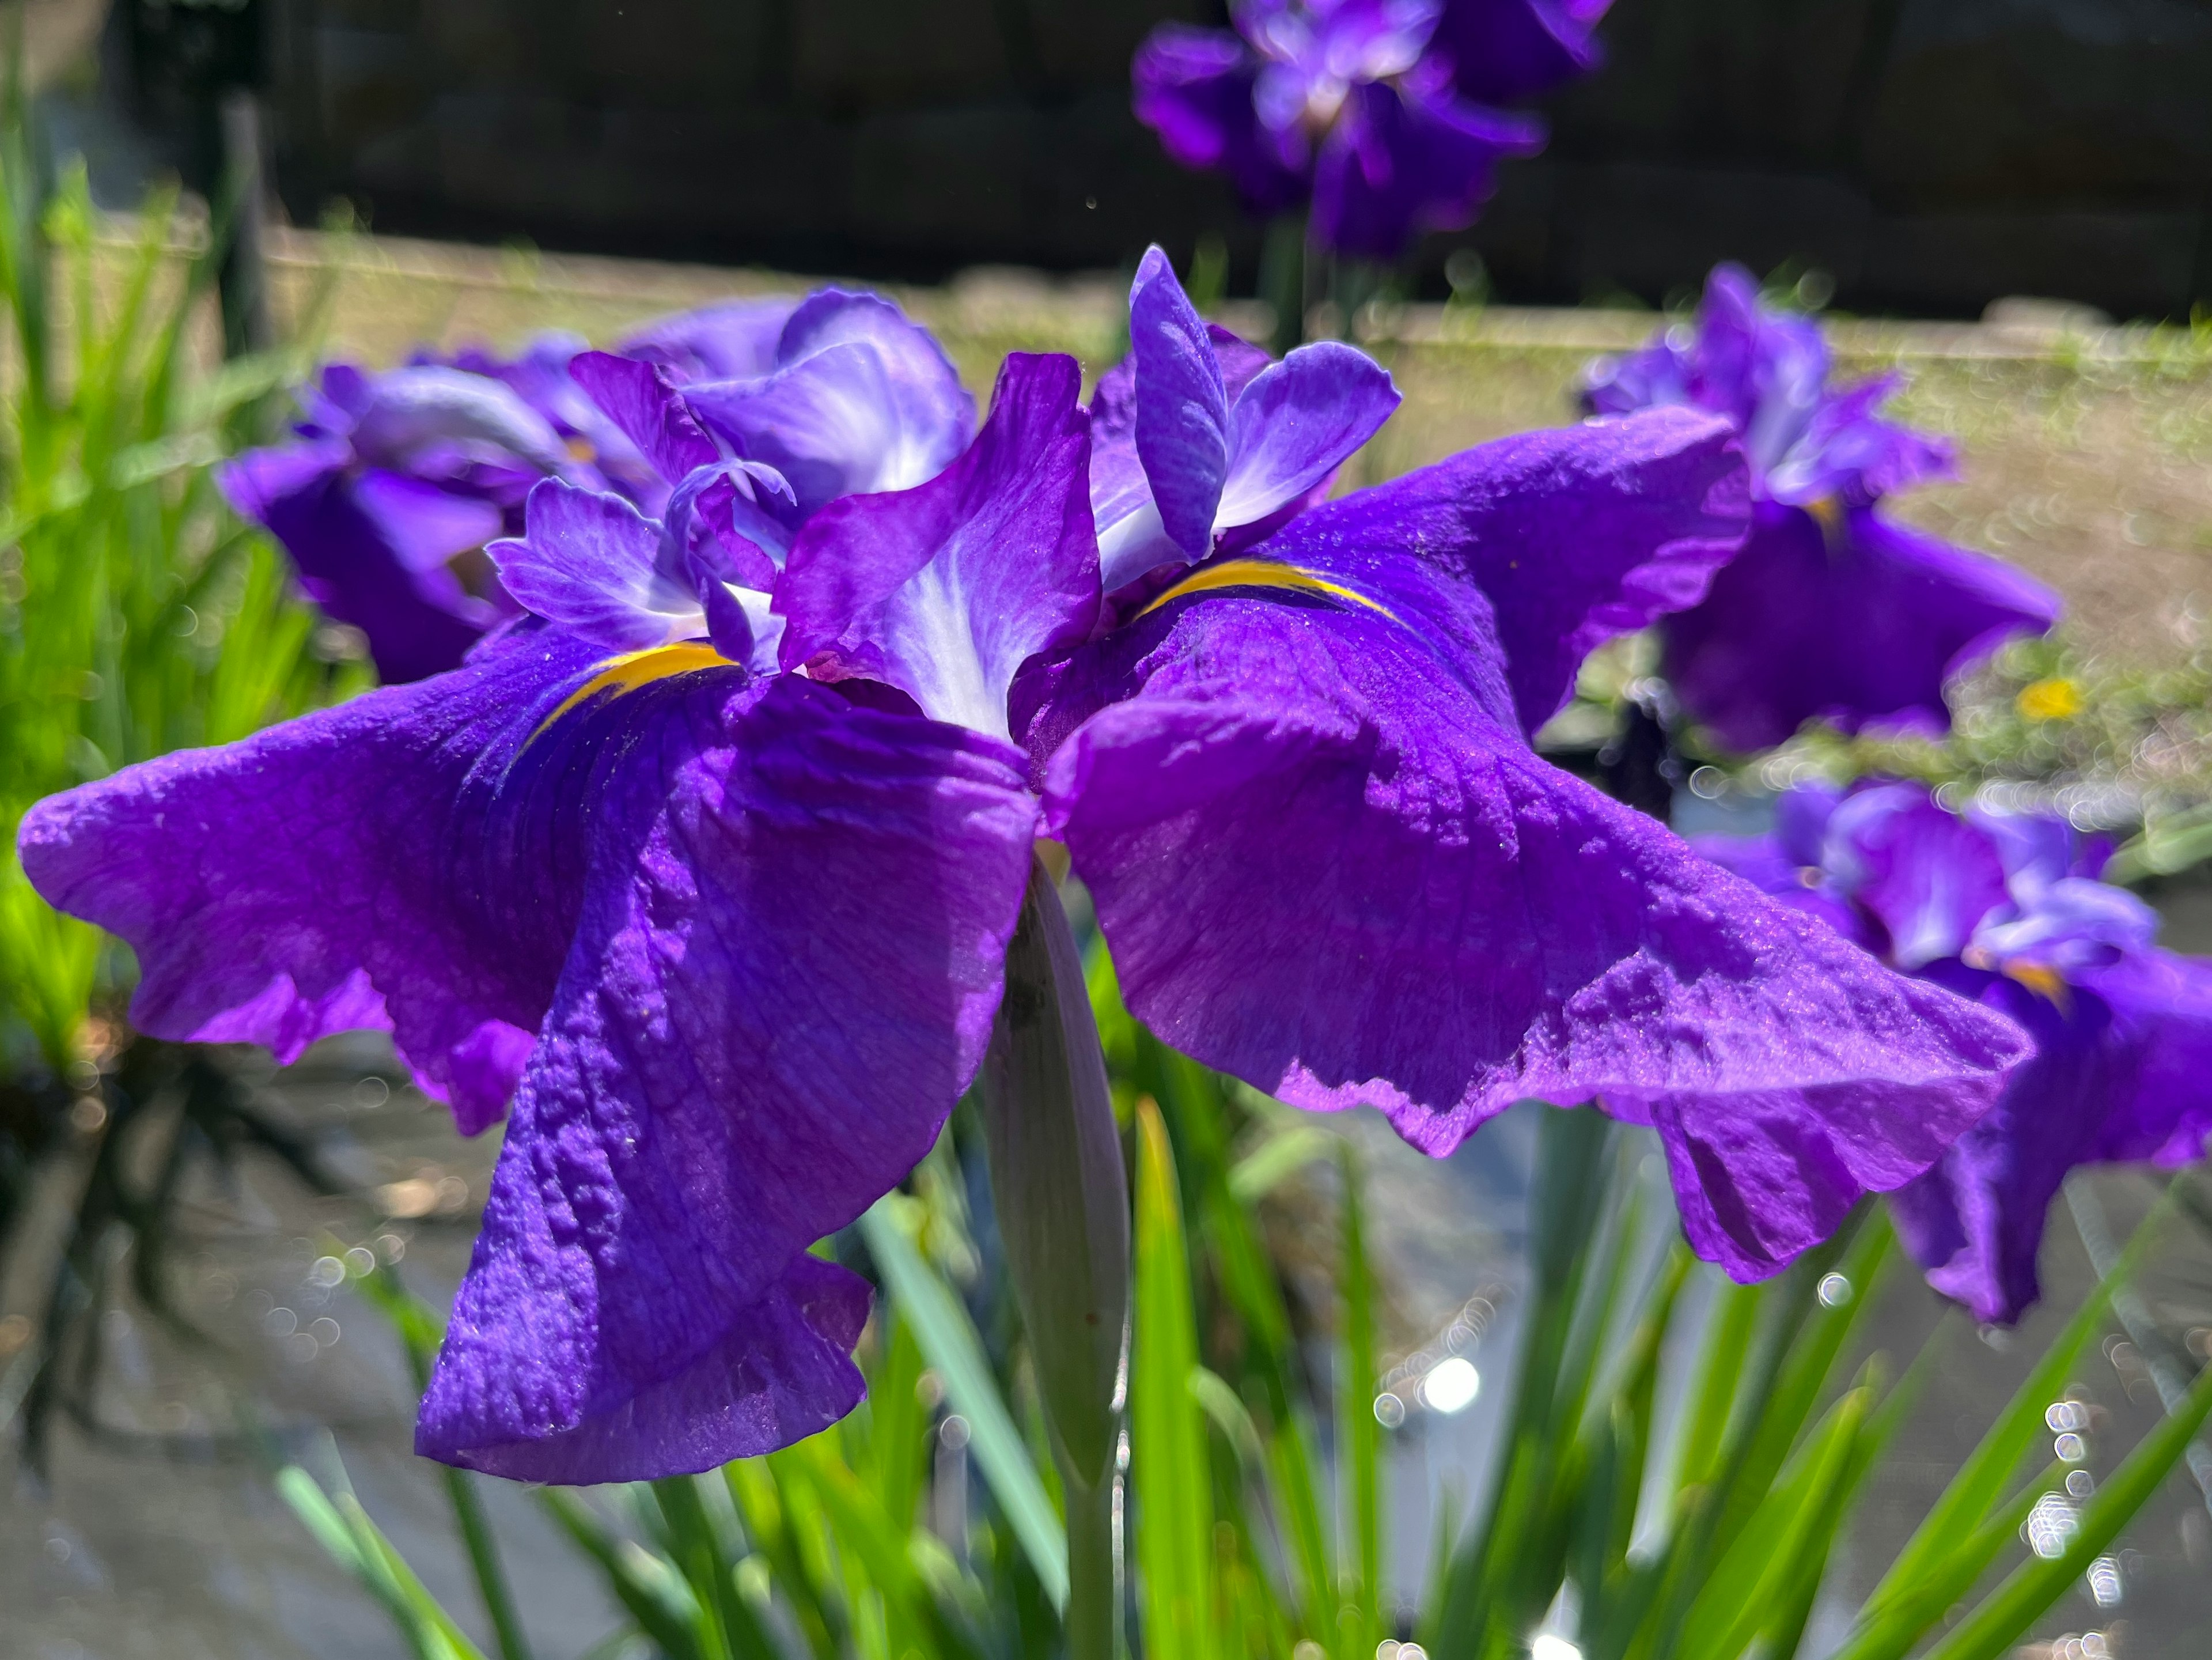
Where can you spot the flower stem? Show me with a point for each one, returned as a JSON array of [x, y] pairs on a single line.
[[1059, 1186], [1092, 1622]]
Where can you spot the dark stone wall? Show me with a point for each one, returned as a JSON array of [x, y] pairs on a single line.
[[1929, 155]]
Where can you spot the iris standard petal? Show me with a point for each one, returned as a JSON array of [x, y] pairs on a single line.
[[1295, 424], [1329, 864], [1182, 432], [642, 400], [1575, 535], [423, 525], [419, 620], [411, 410], [347, 869], [944, 590], [1402, 159], [830, 424], [1849, 450], [592, 563], [1132, 541], [936, 418], [789, 954], [1853, 620]]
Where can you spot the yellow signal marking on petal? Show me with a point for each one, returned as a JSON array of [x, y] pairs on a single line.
[[2046, 982], [634, 669], [1260, 573], [2053, 699]]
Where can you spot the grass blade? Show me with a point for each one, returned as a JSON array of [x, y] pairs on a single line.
[[1171, 1478], [2003, 1617], [1986, 1475], [1358, 1433], [948, 1339]]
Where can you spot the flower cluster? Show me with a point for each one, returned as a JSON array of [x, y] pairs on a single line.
[[1379, 113], [393, 482], [1832, 611], [2008, 909], [704, 869]]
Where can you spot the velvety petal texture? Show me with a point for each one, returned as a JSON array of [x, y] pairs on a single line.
[[739, 938], [343, 871], [1326, 860], [792, 931], [1574, 535], [1987, 904]]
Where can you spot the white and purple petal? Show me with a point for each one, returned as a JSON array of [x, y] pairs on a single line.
[[594, 565], [1296, 422], [944, 590]]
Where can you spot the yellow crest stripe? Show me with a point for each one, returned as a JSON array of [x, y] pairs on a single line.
[[634, 669], [1260, 573], [2046, 982]]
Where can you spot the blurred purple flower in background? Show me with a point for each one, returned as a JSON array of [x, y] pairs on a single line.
[[391, 480], [2007, 908], [1831, 611], [711, 865], [1378, 113]]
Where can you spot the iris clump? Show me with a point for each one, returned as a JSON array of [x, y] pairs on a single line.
[[1832, 610], [703, 870], [1381, 114], [2007, 908]]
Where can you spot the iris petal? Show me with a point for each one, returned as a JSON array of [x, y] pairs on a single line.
[[789, 951], [1296, 422], [1182, 406], [945, 590]]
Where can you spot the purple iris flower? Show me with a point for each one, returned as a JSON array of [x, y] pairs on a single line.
[[1831, 611], [392, 481], [1376, 111], [388, 480], [705, 873], [2007, 908]]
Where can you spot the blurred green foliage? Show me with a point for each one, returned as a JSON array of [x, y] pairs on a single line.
[[137, 615]]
